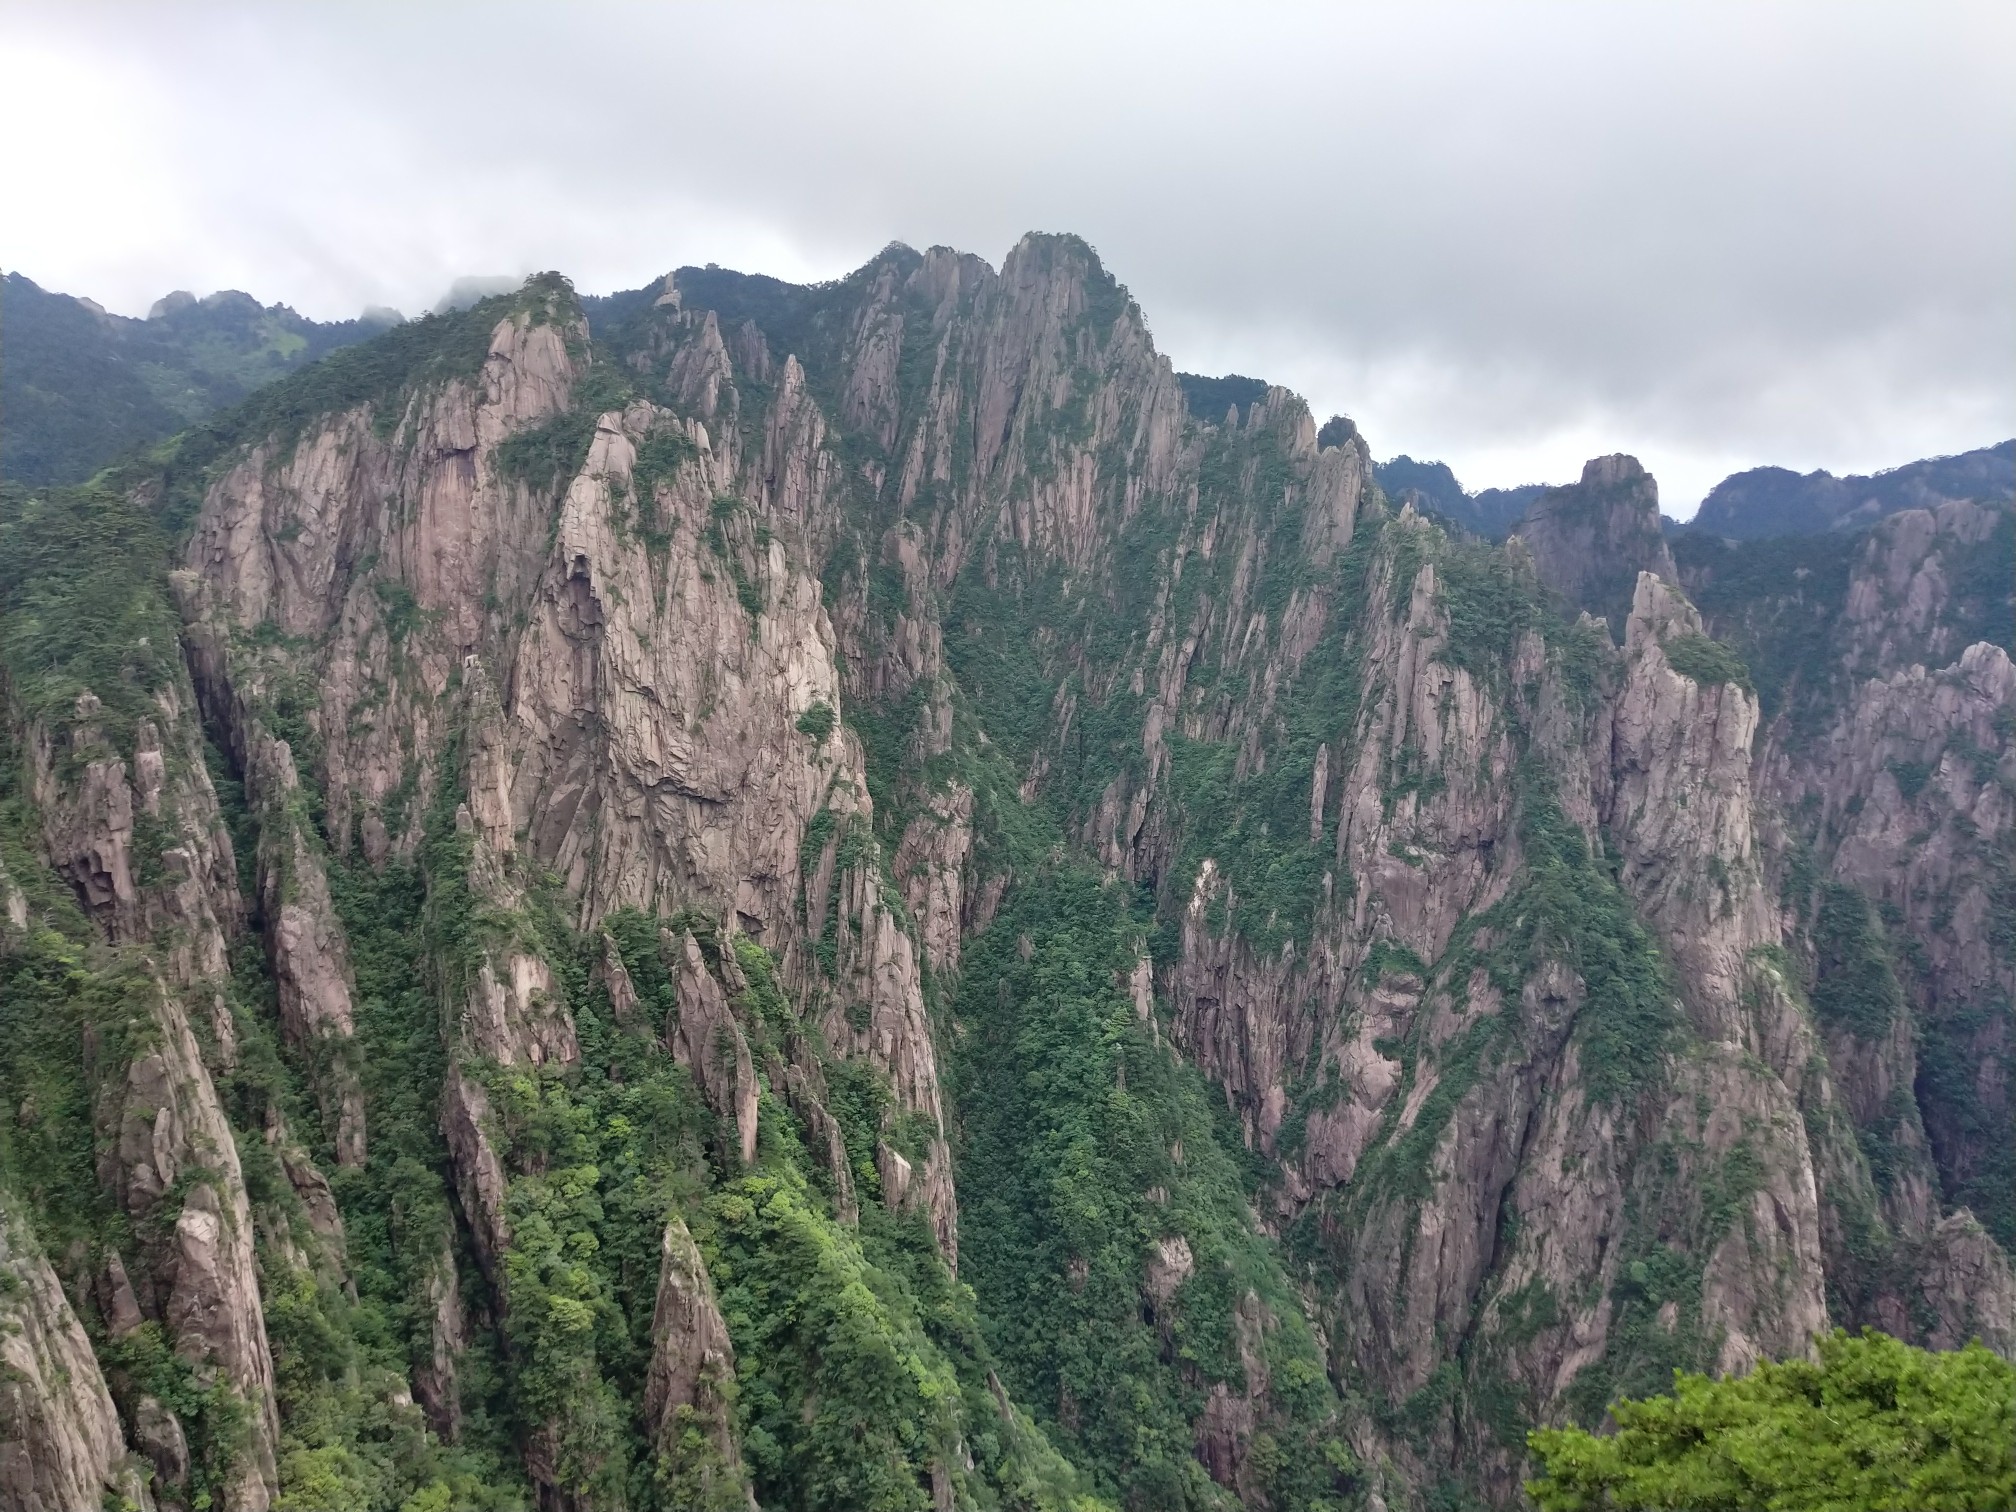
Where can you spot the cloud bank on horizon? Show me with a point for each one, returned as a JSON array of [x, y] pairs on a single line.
[[1506, 236]]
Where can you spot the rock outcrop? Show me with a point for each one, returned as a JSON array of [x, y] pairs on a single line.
[[61, 1446], [707, 1041], [129, 817], [689, 1394], [1591, 539], [170, 1160], [304, 941]]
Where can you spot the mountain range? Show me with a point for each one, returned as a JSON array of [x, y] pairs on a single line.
[[82, 388], [862, 896]]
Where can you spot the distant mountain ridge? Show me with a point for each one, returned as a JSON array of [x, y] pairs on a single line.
[[80, 387], [1758, 504], [1775, 501], [1491, 512]]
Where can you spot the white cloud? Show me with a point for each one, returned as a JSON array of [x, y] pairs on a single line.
[[1505, 235]]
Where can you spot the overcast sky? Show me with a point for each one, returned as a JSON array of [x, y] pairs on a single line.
[[1510, 236]]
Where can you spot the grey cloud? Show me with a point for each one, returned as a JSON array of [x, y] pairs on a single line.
[[1505, 235], [470, 288]]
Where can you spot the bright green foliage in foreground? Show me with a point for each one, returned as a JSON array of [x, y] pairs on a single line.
[[1876, 1426]]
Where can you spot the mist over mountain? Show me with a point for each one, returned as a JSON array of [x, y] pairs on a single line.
[[859, 895]]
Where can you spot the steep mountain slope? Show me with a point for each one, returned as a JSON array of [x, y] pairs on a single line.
[[81, 387], [828, 896], [1887, 758]]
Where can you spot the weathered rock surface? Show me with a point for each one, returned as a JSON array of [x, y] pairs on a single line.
[[1887, 769], [706, 1040], [1591, 539], [166, 1139], [129, 817], [1964, 1281], [61, 1447], [689, 1394], [931, 864], [304, 940], [137, 834], [1677, 803]]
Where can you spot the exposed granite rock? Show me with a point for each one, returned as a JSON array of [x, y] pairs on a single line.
[[1170, 1264], [1965, 1281], [1226, 1428], [289, 536], [642, 679], [13, 902], [689, 1394], [614, 978], [157, 1434], [1677, 803], [1590, 540], [480, 1180], [705, 1038], [1672, 782], [1901, 603], [436, 1379], [137, 833], [805, 1091], [1891, 773], [930, 865], [304, 940], [176, 892], [877, 970], [165, 1134], [61, 1448]]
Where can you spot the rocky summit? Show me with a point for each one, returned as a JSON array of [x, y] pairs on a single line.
[[859, 896]]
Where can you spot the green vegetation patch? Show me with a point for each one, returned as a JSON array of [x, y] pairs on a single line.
[[550, 454], [1855, 987], [432, 350], [1571, 908], [84, 605], [1490, 604], [818, 721], [1965, 1053], [1085, 1142], [1777, 603], [1707, 662]]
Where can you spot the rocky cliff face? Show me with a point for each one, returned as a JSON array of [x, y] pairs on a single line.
[[1591, 539], [61, 1445], [697, 851], [1885, 770]]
